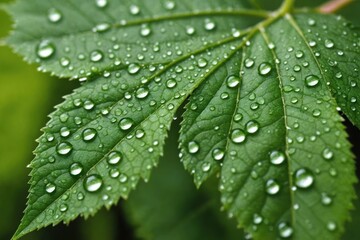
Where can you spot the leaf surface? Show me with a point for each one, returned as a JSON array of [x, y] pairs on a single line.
[[262, 115]]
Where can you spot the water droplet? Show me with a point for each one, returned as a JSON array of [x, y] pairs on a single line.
[[238, 136], [76, 169], [264, 68], [252, 127], [299, 54], [64, 132], [277, 157], [54, 15], [114, 173], [169, 5], [285, 230], [272, 187], [329, 43], [126, 124], [209, 24], [93, 183], [123, 178], [205, 167], [218, 154], [326, 199], [193, 147], [142, 92], [114, 157], [304, 178], [45, 49], [80, 196], [133, 68], [50, 188], [88, 105], [202, 62], [134, 9], [257, 219], [96, 56], [190, 30], [328, 154], [63, 208], [64, 148], [331, 226], [233, 81], [64, 61], [249, 62], [145, 30], [89, 134], [312, 80], [101, 3], [171, 83]]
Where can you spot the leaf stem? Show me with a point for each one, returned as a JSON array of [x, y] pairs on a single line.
[[286, 7], [333, 6]]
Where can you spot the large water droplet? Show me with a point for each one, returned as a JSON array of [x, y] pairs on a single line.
[[45, 49], [89, 134], [312, 80], [331, 226], [304, 178], [101, 3], [233, 81], [193, 147], [145, 30], [329, 43], [126, 124], [252, 127], [285, 230], [206, 166], [209, 24], [50, 188], [277, 157], [272, 187], [76, 169], [54, 15], [249, 62], [264, 68], [134, 9], [114, 157], [64, 148], [238, 136], [171, 83], [202, 62], [93, 183], [64, 132]]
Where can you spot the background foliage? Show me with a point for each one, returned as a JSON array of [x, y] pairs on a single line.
[[27, 97]]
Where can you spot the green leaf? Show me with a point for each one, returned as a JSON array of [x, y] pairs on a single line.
[[263, 110], [273, 133]]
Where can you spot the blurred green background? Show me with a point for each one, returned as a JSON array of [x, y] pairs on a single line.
[[27, 97]]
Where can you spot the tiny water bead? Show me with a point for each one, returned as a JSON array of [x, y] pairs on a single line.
[[252, 127], [331, 226], [329, 43], [145, 30], [233, 81], [96, 56], [45, 49], [114, 157], [193, 147], [54, 15], [76, 168], [205, 167], [272, 187], [303, 178], [126, 124], [312, 80], [238, 136], [64, 148], [63, 208], [89, 134], [93, 183], [209, 24], [218, 154], [277, 157], [285, 230], [264, 68], [50, 188]]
